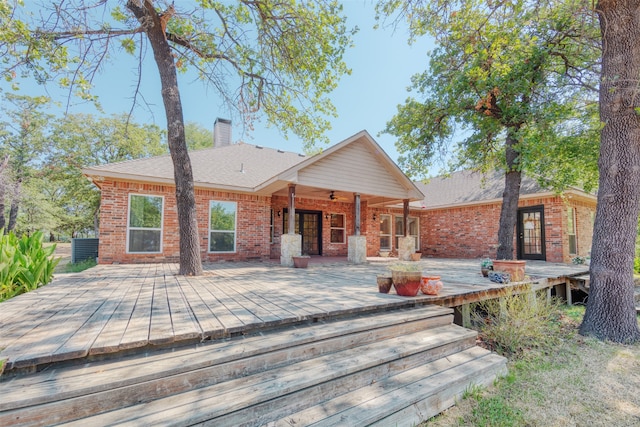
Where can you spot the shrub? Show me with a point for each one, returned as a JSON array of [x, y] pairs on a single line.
[[514, 324], [636, 265], [24, 264]]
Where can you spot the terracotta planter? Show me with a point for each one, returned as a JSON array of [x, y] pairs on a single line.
[[416, 256], [431, 285], [384, 284], [301, 261], [407, 283], [515, 268]]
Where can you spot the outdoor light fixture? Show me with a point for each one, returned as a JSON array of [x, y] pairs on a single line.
[[374, 217], [278, 213], [326, 216]]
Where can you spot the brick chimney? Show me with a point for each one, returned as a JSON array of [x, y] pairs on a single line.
[[221, 133]]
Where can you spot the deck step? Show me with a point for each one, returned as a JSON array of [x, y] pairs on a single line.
[[258, 379], [410, 396]]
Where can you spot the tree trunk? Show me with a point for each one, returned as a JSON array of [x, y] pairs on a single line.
[[611, 311], [510, 197], [190, 261], [4, 181], [15, 205]]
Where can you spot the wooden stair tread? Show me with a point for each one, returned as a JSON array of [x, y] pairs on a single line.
[[220, 399], [63, 383], [372, 403]]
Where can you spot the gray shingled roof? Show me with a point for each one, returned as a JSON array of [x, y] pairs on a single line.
[[468, 187], [238, 165]]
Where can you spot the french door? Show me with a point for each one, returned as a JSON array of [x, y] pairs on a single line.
[[530, 231], [309, 226]]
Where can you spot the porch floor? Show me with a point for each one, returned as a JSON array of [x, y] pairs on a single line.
[[111, 309]]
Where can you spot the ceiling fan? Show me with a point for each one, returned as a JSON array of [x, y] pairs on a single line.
[[334, 198]]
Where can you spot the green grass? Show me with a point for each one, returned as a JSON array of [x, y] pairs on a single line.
[[547, 375], [79, 266]]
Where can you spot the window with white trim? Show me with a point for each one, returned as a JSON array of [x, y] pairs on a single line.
[[144, 224], [385, 232], [337, 228], [571, 230], [413, 228], [222, 226]]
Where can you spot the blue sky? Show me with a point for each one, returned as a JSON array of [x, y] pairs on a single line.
[[382, 64]]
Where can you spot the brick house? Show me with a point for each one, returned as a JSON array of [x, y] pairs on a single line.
[[244, 194], [461, 212], [350, 200]]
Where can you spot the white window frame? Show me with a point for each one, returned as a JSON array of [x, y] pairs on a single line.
[[343, 228], [401, 234], [390, 235], [129, 228], [571, 220], [235, 228]]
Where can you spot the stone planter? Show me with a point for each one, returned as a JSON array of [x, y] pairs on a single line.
[[515, 268], [301, 261], [407, 283], [384, 284]]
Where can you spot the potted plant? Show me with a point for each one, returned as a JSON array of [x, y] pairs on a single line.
[[416, 256], [406, 279], [514, 267], [384, 283], [485, 266], [301, 261]]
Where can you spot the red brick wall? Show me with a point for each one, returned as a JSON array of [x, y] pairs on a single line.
[[472, 232], [468, 232], [327, 207], [252, 238]]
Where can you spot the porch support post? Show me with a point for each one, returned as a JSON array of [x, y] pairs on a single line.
[[405, 216], [290, 243], [406, 244], [292, 209], [357, 244], [356, 202]]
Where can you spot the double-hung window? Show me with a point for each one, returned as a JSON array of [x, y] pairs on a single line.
[[385, 232], [144, 231], [337, 228], [222, 226], [571, 230]]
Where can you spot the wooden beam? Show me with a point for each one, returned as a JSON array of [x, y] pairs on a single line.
[[292, 209], [356, 202], [405, 216]]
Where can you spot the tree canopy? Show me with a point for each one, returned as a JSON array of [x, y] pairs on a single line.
[[516, 82], [278, 59]]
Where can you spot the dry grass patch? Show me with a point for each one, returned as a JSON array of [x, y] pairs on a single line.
[[573, 381]]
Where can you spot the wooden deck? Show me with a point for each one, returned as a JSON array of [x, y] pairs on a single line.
[[112, 309]]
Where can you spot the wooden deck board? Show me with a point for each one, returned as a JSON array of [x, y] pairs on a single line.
[[185, 326], [123, 304], [109, 339], [206, 319], [137, 332]]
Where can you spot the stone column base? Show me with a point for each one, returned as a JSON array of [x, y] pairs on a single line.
[[290, 246], [406, 246], [357, 252]]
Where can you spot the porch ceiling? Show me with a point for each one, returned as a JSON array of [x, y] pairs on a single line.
[[308, 192]]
